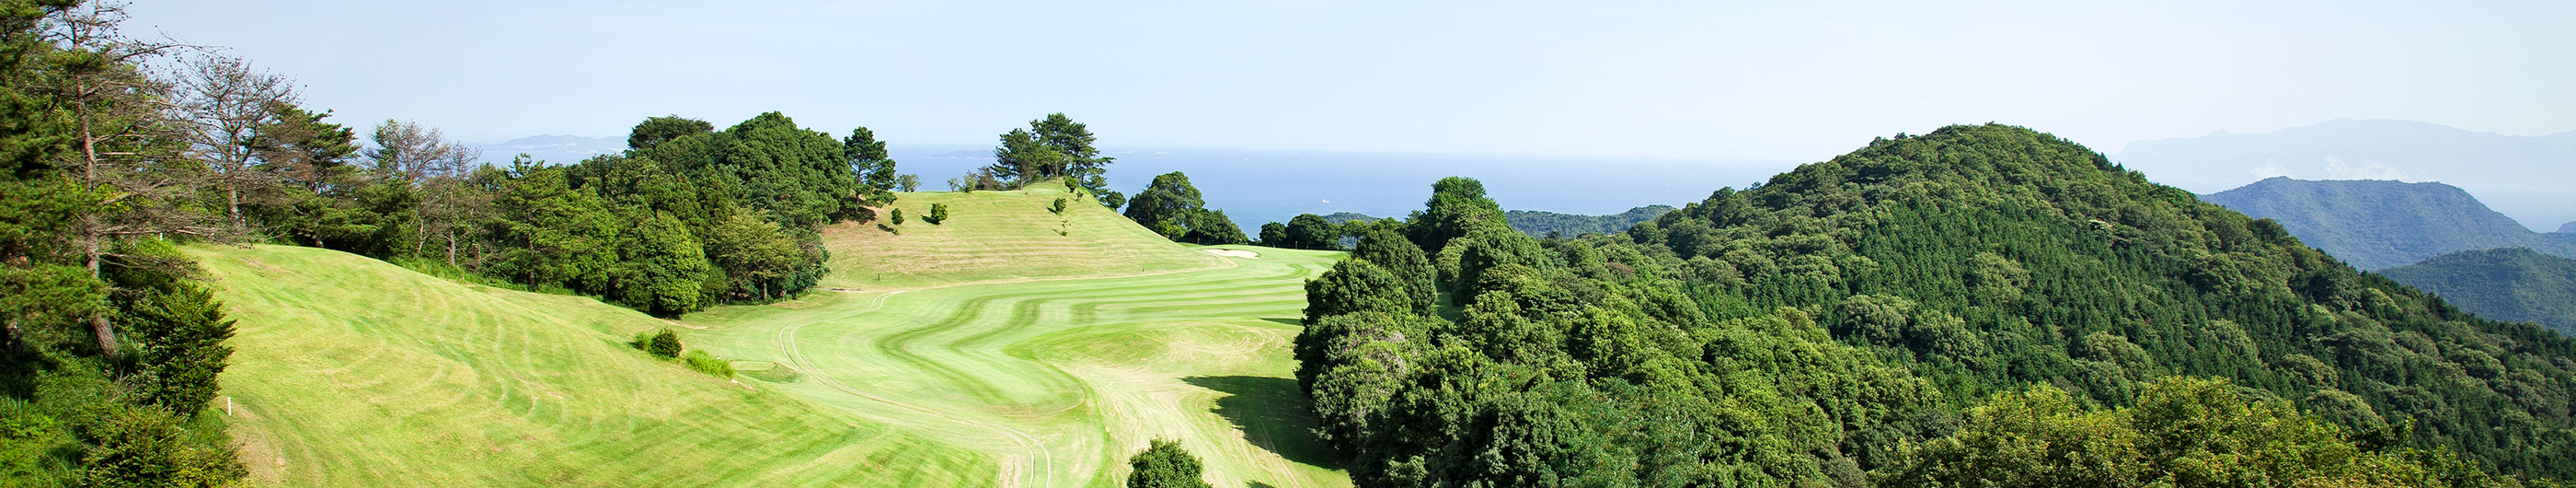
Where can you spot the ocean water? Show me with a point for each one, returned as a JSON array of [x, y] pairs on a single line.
[[1257, 186]]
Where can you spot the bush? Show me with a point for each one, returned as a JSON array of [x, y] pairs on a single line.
[[895, 216], [938, 214], [709, 364], [665, 343], [1164, 464], [1058, 208]]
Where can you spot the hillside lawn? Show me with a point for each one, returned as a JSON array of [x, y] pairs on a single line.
[[352, 372], [988, 351], [997, 236], [1054, 359]]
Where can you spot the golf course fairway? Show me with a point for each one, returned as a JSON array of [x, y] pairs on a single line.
[[1010, 345]]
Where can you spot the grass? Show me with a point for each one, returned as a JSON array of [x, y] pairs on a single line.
[[353, 372], [988, 351], [1062, 379], [998, 236]]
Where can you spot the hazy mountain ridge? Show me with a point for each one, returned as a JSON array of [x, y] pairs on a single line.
[[2504, 284], [2530, 178], [2380, 224], [553, 148]]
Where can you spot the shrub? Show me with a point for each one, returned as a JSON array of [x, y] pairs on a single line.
[[938, 214], [1058, 208], [896, 216], [1165, 465], [709, 364], [664, 344]]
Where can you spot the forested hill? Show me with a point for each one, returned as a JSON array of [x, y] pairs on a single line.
[[2503, 284], [2380, 224], [1541, 224], [1967, 292]]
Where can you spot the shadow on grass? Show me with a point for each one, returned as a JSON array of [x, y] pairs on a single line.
[[1274, 414], [1281, 321]]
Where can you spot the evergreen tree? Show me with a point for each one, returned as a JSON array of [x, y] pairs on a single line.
[[874, 170], [1458, 206], [656, 130]]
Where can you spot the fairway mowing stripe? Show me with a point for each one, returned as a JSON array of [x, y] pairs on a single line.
[[787, 338]]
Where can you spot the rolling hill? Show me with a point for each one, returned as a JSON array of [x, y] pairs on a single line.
[[2378, 224], [2504, 284], [986, 351], [998, 236], [353, 372], [1058, 355]]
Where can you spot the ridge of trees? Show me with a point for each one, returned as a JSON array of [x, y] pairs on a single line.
[[2511, 283], [1808, 330], [1052, 147]]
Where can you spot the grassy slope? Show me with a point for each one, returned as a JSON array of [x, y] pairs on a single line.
[[1056, 360], [353, 372], [999, 235]]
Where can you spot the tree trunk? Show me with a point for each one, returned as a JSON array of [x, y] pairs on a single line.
[[98, 325], [232, 204]]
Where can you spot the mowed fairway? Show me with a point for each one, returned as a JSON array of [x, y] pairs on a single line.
[[352, 372], [1012, 346], [1057, 374]]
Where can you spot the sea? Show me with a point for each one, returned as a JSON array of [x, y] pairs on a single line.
[[1258, 186]]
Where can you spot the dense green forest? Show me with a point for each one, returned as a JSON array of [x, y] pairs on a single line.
[[1925, 309], [111, 350], [2503, 284], [2380, 224], [1342, 229], [1543, 224]]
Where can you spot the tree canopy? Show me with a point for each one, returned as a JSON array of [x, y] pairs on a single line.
[[1919, 289], [1172, 207], [1051, 147], [1163, 464]]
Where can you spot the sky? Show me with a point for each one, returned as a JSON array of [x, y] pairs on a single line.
[[1797, 81]]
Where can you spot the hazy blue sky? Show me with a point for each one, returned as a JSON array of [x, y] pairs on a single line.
[[1681, 79]]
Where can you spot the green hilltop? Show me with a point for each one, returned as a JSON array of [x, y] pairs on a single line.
[[2503, 284], [1978, 306], [2378, 224]]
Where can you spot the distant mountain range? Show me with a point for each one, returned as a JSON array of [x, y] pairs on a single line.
[[1539, 224], [557, 149], [2507, 284], [2530, 178], [2378, 224]]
